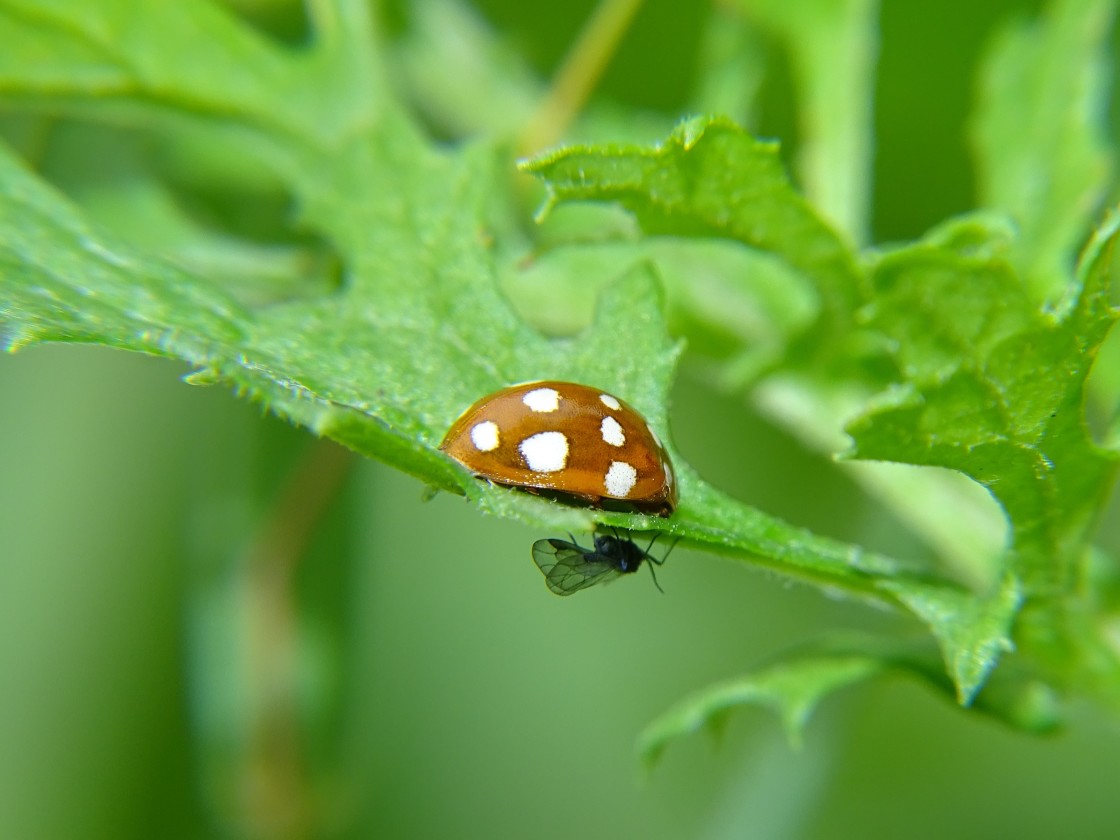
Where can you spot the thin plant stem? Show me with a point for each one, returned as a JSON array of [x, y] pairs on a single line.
[[276, 793], [579, 73]]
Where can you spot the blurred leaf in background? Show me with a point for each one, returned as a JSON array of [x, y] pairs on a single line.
[[213, 625]]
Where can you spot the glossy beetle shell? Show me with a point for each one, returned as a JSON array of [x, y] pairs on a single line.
[[568, 439]]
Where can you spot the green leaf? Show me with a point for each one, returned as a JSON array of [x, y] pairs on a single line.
[[406, 219], [712, 179], [344, 365], [119, 50], [62, 282], [794, 686], [792, 689], [973, 632], [1041, 135], [995, 387]]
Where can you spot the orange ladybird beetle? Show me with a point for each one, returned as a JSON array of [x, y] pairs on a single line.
[[570, 440]]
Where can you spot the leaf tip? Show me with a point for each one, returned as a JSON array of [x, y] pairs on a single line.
[[970, 670], [973, 663], [649, 753], [691, 130], [203, 378]]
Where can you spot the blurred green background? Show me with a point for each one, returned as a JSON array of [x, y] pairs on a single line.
[[440, 690]]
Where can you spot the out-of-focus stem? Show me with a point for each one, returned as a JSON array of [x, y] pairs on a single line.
[[579, 73], [275, 794]]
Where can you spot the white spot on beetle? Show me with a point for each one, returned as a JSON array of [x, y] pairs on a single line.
[[612, 432], [542, 400], [610, 402], [620, 479], [485, 436], [545, 452]]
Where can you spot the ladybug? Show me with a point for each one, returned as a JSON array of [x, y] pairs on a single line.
[[571, 441], [569, 567]]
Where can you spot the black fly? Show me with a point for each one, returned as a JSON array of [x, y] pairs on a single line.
[[569, 567]]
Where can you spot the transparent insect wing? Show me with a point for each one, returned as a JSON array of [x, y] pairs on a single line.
[[568, 568]]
